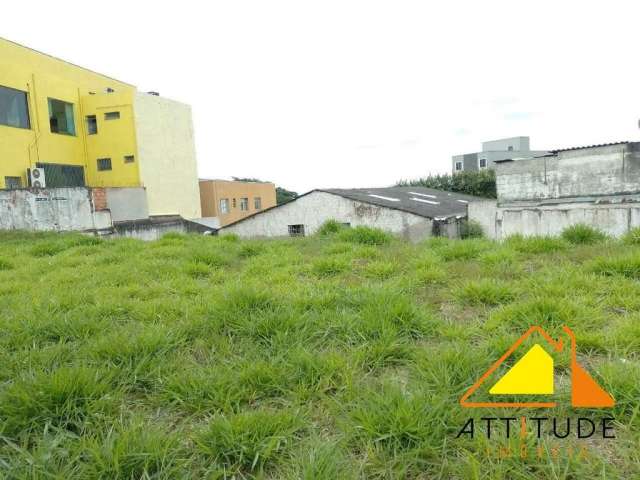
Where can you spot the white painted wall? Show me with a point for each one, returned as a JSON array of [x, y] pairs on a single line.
[[167, 157], [57, 209], [127, 203], [314, 209]]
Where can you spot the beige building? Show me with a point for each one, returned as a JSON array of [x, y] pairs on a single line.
[[230, 201]]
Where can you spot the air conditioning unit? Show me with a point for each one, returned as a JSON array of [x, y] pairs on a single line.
[[36, 178]]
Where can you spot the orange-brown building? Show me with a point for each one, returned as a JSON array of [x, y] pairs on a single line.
[[230, 201]]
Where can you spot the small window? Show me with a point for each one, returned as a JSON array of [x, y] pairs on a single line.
[[346, 225], [112, 116], [14, 110], [257, 203], [129, 159], [61, 117], [510, 148], [296, 230], [224, 205], [92, 125], [233, 203], [458, 166], [244, 204], [104, 164], [482, 163], [11, 183]]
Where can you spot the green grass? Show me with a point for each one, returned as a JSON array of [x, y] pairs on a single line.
[[341, 355]]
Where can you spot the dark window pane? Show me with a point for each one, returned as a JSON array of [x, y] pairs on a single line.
[[14, 110], [112, 115], [257, 203], [12, 183], [296, 230], [104, 164], [129, 159], [58, 175], [61, 117], [92, 125]]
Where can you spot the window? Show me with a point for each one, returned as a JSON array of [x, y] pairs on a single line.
[[296, 230], [104, 164], [510, 148], [92, 125], [458, 166], [257, 203], [14, 110], [224, 205], [129, 159], [234, 203], [482, 163], [61, 117], [11, 183], [244, 204], [112, 116]]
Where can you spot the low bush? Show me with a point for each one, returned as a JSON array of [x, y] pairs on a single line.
[[632, 237], [330, 227], [471, 229], [581, 234], [365, 235]]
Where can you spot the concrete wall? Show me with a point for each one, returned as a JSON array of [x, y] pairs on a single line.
[[315, 208], [590, 172], [58, 209], [167, 157], [498, 222], [127, 204]]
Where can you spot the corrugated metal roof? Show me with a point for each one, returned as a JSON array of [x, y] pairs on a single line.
[[588, 146], [426, 202]]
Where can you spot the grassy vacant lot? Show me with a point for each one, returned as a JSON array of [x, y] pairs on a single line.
[[340, 356]]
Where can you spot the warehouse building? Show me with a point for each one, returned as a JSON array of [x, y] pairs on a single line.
[[597, 185], [413, 213], [64, 126]]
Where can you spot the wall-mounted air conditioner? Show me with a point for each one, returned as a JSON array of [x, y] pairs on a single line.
[[36, 178]]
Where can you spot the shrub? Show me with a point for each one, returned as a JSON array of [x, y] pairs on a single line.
[[5, 264], [632, 237], [482, 183], [365, 235], [581, 234], [471, 229], [330, 227]]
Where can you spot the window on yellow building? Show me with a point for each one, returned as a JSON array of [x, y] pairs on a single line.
[[224, 205], [14, 110], [257, 203], [129, 159], [61, 117], [92, 125], [244, 204], [11, 183], [104, 164], [112, 115]]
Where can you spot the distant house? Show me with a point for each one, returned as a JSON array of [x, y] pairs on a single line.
[[413, 213], [492, 151], [598, 185], [229, 201]]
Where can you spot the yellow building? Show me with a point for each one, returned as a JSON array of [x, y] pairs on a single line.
[[230, 201], [86, 129]]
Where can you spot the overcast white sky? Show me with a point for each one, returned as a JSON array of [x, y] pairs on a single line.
[[359, 93]]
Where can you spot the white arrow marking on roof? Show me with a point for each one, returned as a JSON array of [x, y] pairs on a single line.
[[390, 199], [463, 201], [423, 195], [425, 201]]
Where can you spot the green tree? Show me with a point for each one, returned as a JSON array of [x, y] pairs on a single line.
[[481, 184]]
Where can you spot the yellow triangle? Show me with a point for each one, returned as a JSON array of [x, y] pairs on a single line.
[[532, 374]]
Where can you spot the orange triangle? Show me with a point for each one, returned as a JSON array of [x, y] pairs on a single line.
[[585, 392]]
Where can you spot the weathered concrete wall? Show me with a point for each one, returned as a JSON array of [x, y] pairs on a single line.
[[315, 208], [58, 209], [148, 230], [593, 172], [500, 222], [484, 213], [127, 204]]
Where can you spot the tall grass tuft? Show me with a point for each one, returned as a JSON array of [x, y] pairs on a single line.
[[582, 234], [364, 235]]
